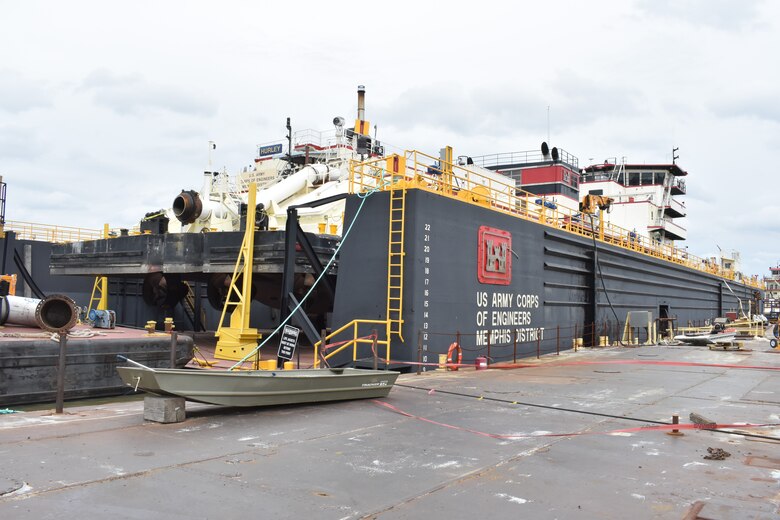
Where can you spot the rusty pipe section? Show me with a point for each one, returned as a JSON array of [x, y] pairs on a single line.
[[187, 206], [55, 313]]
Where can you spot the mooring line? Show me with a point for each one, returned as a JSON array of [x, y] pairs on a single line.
[[662, 424], [638, 429]]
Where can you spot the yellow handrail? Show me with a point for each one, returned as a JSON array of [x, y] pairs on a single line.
[[51, 233], [351, 342], [474, 188]]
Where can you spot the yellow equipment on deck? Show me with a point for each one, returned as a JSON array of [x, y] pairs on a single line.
[[590, 203], [238, 339]]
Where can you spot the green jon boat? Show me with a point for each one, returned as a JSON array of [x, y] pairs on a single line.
[[260, 387]]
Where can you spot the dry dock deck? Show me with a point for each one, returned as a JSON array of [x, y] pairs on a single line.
[[360, 460]]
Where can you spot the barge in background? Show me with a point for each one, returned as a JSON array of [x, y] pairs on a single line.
[[500, 255], [29, 356], [440, 254]]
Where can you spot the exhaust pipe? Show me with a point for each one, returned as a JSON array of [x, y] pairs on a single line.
[[55, 313], [361, 111]]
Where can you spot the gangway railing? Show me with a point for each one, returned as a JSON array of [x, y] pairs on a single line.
[[51, 233], [325, 353], [524, 158], [423, 172]]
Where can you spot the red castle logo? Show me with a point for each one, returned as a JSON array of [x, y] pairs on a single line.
[[495, 256]]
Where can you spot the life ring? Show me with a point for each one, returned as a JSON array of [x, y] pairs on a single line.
[[454, 346]]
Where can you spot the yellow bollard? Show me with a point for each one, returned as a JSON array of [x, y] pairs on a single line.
[[289, 365]]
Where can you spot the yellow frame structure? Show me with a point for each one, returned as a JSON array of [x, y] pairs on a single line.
[[239, 339], [100, 287]]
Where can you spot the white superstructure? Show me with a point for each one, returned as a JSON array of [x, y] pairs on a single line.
[[311, 165], [646, 197]]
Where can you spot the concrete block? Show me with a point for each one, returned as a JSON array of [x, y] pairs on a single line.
[[163, 409]]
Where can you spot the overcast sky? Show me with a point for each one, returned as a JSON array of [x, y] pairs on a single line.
[[106, 108]]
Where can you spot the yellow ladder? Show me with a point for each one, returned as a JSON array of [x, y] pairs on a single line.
[[99, 296], [395, 262]]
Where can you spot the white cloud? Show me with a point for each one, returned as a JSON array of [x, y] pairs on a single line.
[[719, 14], [17, 142], [132, 94], [19, 94], [764, 106]]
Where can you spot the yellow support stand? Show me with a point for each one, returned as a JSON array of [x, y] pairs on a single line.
[[238, 339], [100, 287]]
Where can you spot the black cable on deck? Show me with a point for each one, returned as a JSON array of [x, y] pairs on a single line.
[[574, 410]]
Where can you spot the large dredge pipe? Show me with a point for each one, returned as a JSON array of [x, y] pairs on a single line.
[[311, 175], [187, 206], [55, 313]]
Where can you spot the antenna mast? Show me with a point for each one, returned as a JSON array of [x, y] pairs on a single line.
[[212, 146], [289, 147], [548, 123]]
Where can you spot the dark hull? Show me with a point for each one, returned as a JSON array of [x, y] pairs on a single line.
[[28, 368], [125, 292], [556, 293], [204, 261], [188, 254]]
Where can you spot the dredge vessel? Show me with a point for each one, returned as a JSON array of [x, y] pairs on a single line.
[[500, 265], [484, 252]]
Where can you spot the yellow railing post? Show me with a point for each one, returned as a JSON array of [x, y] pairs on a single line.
[[354, 341], [103, 303], [446, 170]]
